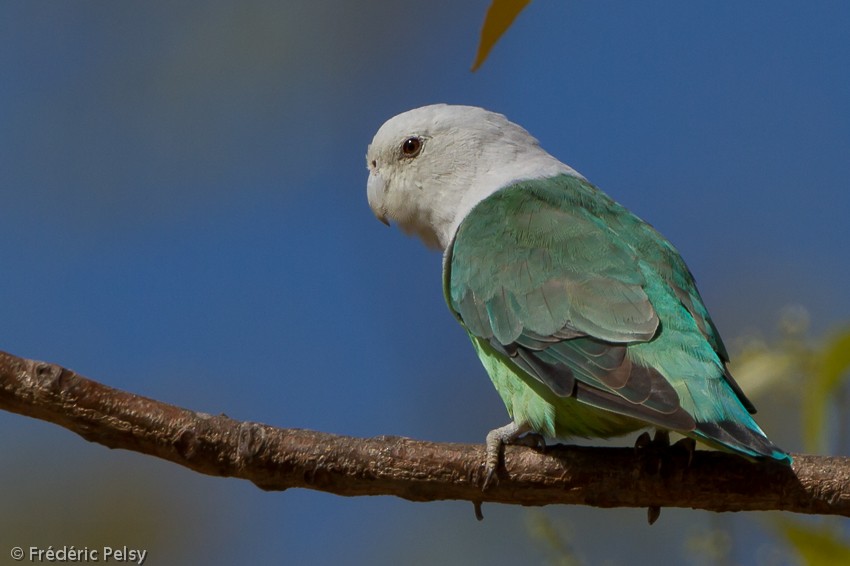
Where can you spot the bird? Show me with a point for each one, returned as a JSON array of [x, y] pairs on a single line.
[[586, 319]]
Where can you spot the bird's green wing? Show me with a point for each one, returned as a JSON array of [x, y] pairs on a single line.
[[553, 274]]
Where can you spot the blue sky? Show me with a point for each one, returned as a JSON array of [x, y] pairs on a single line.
[[184, 217]]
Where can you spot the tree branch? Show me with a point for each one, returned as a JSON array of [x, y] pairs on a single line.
[[277, 459]]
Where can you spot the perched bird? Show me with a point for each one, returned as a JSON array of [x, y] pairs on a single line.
[[587, 320]]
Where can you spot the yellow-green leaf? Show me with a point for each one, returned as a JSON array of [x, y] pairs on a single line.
[[816, 546], [830, 367], [835, 361], [500, 16]]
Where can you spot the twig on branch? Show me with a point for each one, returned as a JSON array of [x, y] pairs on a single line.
[[277, 459]]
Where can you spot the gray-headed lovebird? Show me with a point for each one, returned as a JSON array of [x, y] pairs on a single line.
[[587, 320]]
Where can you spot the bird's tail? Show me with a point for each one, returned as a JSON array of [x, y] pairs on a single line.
[[739, 433]]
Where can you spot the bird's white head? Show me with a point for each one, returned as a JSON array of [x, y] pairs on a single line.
[[429, 166]]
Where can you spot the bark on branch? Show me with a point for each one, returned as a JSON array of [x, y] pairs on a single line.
[[277, 459]]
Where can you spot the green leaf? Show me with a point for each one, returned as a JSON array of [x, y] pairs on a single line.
[[816, 546], [499, 18], [829, 368], [555, 539]]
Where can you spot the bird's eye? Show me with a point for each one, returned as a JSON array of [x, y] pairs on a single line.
[[411, 147]]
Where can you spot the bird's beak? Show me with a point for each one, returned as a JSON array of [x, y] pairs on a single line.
[[375, 188]]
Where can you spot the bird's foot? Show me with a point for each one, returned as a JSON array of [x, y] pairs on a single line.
[[530, 440], [684, 449], [660, 458], [653, 450], [509, 434]]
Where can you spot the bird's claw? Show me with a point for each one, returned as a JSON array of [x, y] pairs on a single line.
[[491, 464], [652, 514], [688, 446], [653, 450], [660, 458], [509, 434]]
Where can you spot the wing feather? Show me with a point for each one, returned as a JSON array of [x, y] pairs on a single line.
[[561, 296]]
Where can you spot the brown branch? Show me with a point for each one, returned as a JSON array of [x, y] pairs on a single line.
[[277, 459]]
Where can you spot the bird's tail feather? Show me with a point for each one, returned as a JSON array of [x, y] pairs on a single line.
[[746, 440]]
